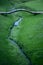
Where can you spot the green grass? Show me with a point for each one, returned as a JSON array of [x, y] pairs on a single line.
[[36, 4], [30, 37], [30, 33], [10, 54]]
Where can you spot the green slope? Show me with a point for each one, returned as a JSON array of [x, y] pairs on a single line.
[[29, 34], [6, 5], [10, 54]]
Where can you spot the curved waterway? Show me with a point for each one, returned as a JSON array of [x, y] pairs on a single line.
[[16, 23]]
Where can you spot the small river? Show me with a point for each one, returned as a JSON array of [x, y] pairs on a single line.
[[16, 23]]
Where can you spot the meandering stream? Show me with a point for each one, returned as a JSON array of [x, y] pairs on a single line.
[[16, 23]]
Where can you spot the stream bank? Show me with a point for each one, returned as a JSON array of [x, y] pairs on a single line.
[[16, 23]]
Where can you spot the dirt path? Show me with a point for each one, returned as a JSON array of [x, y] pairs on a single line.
[[26, 9]]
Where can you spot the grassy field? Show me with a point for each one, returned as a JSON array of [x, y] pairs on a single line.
[[28, 34], [10, 53]]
